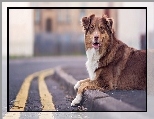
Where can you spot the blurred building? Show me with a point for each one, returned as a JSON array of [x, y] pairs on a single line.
[[65, 20], [21, 32], [61, 28], [132, 27], [34, 32]]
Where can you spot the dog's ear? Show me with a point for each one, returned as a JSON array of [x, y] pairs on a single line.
[[85, 22], [108, 22], [92, 16]]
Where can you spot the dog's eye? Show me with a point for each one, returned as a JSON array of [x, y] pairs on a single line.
[[92, 26], [101, 28], [91, 29]]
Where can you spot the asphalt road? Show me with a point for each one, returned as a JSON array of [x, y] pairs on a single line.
[[20, 69]]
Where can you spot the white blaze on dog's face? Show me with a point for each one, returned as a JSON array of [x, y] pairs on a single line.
[[98, 32]]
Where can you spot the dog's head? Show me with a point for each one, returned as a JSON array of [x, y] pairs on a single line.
[[98, 32]]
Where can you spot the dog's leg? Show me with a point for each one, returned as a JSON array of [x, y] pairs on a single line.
[[81, 88], [77, 85], [84, 86]]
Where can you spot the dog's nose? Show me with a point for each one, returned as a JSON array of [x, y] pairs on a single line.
[[96, 37]]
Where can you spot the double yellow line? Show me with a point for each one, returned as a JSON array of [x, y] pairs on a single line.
[[21, 98]]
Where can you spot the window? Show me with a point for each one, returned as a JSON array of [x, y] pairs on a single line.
[[48, 25]]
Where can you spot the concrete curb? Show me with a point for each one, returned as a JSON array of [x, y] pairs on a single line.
[[93, 100], [65, 80]]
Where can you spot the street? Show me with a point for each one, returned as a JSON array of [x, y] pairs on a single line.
[[20, 69]]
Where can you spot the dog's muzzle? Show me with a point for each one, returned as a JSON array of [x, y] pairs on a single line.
[[96, 44]]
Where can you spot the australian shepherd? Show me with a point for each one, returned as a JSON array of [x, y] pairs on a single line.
[[111, 64]]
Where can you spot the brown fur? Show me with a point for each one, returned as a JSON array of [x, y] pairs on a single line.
[[120, 67]]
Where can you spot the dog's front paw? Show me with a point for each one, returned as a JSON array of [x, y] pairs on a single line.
[[77, 85], [77, 100]]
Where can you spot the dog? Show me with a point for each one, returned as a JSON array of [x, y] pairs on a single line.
[[111, 63]]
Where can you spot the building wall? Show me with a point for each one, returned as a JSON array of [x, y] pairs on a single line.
[[131, 25], [63, 20], [66, 35], [69, 20], [24, 24], [150, 18], [21, 33]]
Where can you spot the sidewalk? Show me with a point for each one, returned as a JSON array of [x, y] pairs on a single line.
[[94, 100]]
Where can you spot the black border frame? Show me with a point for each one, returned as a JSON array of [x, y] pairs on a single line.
[[8, 8]]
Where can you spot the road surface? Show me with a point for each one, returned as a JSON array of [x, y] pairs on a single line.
[[19, 69]]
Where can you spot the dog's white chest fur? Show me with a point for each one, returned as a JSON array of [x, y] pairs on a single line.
[[92, 62]]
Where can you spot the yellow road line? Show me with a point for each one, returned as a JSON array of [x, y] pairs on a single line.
[[45, 96], [21, 98], [22, 95]]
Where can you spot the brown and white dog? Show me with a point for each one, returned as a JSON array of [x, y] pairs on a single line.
[[111, 63]]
